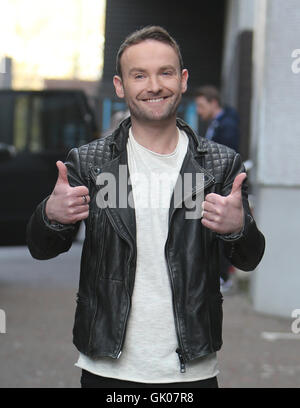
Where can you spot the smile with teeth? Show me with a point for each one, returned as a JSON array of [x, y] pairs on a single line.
[[154, 100]]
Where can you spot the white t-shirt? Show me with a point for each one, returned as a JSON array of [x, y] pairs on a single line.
[[148, 353]]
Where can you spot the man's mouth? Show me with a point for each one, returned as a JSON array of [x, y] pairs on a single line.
[[155, 100]]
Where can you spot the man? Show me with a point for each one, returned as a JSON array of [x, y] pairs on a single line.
[[224, 123], [149, 310], [223, 128]]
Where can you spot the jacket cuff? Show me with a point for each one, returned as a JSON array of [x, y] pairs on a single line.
[[248, 219], [53, 226]]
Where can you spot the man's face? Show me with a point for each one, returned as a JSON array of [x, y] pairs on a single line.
[[152, 82], [205, 108]]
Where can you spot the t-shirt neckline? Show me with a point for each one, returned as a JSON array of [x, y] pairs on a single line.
[[137, 144]]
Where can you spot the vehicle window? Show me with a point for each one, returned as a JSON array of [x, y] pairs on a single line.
[[45, 121]]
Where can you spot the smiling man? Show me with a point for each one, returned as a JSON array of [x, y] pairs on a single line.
[[149, 307]]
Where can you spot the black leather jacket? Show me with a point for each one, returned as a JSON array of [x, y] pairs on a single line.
[[108, 259]]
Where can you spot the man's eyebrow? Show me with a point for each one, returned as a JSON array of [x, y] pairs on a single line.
[[171, 67], [136, 69]]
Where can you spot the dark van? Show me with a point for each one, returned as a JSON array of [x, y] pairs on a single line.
[[37, 128]]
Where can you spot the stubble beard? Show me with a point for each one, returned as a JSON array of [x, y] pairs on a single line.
[[148, 115]]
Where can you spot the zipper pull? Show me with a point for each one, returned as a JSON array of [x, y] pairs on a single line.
[[119, 355], [181, 360]]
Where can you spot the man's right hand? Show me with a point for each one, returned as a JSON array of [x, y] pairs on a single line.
[[67, 204]]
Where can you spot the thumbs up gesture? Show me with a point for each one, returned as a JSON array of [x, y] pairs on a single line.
[[225, 215], [67, 204]]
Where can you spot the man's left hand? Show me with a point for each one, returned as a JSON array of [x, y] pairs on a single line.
[[225, 215]]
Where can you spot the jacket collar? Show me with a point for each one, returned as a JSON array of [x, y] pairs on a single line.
[[198, 145], [124, 217]]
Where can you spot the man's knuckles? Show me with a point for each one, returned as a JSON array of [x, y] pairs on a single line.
[[81, 200], [217, 205], [80, 190], [69, 191], [78, 201], [211, 197], [77, 209], [215, 198]]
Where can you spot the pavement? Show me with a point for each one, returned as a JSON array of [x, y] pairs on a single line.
[[38, 298]]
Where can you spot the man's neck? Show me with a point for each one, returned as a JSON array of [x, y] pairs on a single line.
[[217, 112], [160, 137]]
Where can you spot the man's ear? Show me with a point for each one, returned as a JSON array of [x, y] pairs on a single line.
[[184, 79], [118, 86]]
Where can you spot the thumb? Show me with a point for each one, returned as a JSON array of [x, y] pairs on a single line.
[[62, 173], [237, 184]]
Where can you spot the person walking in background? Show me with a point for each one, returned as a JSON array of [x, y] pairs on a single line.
[[149, 307], [223, 120], [223, 128]]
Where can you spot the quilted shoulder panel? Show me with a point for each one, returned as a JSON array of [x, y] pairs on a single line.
[[219, 159], [95, 153]]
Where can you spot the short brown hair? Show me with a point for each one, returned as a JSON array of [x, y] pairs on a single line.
[[209, 92], [156, 33]]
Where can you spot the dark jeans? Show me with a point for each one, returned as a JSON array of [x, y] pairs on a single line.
[[90, 380]]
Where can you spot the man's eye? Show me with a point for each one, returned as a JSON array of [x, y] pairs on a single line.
[[167, 73], [139, 76]]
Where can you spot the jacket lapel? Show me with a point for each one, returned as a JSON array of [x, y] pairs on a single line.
[[119, 206], [121, 209], [199, 177], [198, 180]]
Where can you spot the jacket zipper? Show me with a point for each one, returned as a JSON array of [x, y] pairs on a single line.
[[181, 360], [119, 352], [96, 279], [180, 349]]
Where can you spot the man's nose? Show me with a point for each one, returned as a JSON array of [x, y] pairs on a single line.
[[154, 84]]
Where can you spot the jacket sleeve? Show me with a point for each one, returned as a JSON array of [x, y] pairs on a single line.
[[46, 240], [244, 250]]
